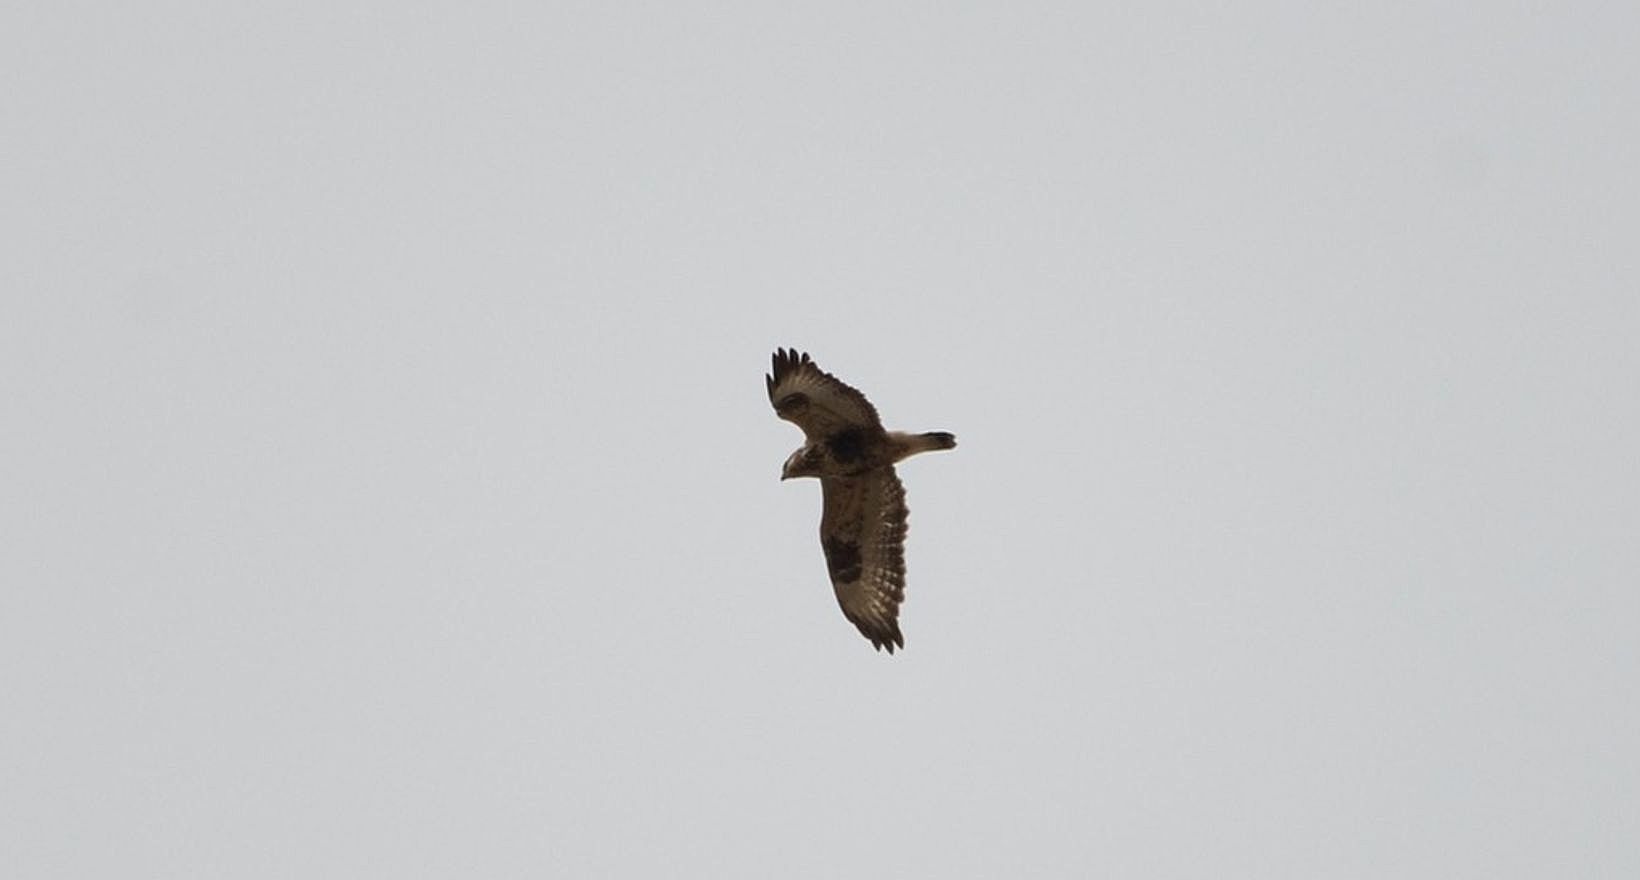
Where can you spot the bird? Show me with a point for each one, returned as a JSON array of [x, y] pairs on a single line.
[[863, 511]]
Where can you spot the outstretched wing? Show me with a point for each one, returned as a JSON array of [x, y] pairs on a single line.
[[815, 400], [862, 530]]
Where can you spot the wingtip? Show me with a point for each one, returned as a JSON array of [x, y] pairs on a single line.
[[889, 639], [784, 362], [883, 633]]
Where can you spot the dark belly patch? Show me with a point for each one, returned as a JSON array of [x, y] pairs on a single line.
[[847, 446]]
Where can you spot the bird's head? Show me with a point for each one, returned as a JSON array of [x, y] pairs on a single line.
[[804, 462]]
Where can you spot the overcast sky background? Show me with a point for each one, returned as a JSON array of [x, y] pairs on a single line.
[[390, 488]]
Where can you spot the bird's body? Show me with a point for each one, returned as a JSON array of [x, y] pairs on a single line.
[[863, 517]]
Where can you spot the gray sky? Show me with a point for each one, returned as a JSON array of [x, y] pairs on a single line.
[[391, 489]]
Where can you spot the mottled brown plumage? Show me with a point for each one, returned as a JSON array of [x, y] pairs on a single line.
[[863, 517]]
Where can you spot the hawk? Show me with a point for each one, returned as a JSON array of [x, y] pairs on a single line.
[[863, 514]]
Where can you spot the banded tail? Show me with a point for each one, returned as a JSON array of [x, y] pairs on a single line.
[[906, 445]]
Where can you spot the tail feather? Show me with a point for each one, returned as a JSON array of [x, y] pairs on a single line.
[[939, 440], [904, 445]]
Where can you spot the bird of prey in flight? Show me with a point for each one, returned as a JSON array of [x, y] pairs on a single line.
[[863, 514]]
